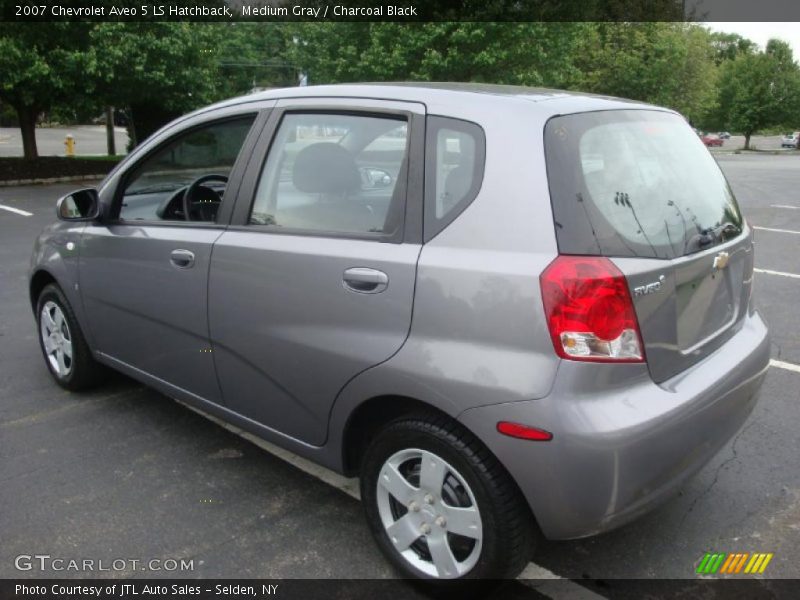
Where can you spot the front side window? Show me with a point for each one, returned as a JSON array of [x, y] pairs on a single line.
[[203, 156], [635, 183], [339, 173]]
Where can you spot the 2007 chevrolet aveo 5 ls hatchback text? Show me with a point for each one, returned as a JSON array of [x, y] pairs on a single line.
[[511, 312]]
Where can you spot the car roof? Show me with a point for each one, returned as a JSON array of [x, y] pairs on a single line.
[[441, 94]]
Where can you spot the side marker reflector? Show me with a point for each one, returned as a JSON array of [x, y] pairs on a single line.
[[524, 432]]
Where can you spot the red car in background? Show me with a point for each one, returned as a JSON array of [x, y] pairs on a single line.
[[711, 139]]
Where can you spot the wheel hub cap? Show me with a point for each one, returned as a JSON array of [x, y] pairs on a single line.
[[429, 513], [56, 339]]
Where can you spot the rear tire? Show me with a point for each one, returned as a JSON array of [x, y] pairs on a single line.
[[66, 353], [441, 506]]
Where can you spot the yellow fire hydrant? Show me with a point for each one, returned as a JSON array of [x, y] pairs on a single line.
[[69, 142]]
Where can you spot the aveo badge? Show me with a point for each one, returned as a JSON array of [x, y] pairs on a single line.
[[648, 288]]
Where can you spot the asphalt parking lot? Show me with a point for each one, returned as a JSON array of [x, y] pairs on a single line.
[[126, 472]]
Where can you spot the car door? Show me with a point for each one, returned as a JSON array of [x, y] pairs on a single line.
[[144, 267], [314, 281]]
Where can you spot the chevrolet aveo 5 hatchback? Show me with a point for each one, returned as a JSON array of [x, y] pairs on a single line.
[[511, 312]]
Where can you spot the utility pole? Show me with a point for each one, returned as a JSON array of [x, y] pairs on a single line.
[[110, 141]]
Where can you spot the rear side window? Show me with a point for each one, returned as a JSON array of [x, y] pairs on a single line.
[[455, 154], [335, 173], [635, 183]]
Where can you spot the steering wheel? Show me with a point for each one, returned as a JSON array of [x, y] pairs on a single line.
[[191, 191]]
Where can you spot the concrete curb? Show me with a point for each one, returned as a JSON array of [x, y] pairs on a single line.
[[47, 180]]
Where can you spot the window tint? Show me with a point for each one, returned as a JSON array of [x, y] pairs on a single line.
[[156, 189], [340, 173], [454, 170], [635, 183]]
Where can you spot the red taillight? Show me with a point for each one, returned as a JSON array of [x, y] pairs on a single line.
[[589, 310], [524, 432]]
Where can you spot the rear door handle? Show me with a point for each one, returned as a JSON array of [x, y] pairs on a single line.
[[365, 281], [183, 259]]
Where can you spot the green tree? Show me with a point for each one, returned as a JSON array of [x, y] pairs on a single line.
[[511, 53], [759, 90], [41, 64], [669, 64], [727, 46], [159, 70], [250, 55]]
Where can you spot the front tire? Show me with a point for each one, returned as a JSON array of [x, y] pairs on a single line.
[[66, 353], [441, 506]]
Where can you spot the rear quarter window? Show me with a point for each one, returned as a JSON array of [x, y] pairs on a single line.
[[635, 183], [455, 152]]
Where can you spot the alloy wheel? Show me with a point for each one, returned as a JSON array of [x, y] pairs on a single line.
[[56, 338], [429, 513]]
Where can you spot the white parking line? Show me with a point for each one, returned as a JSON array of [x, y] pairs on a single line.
[[18, 211], [566, 589], [784, 365], [785, 206], [781, 273], [774, 230], [562, 589]]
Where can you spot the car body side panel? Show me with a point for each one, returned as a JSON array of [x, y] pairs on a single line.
[[287, 335], [52, 254], [145, 311]]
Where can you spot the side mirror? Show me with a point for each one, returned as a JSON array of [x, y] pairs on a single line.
[[372, 178], [80, 205]]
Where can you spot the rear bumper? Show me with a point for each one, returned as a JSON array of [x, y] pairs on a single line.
[[621, 443]]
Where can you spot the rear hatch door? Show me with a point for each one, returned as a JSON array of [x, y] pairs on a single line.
[[638, 186]]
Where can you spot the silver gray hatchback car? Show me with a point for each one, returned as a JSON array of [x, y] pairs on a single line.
[[512, 312]]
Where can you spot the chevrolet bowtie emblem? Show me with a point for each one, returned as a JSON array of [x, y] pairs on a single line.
[[721, 260]]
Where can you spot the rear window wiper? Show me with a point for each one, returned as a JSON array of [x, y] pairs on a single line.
[[712, 236], [723, 232]]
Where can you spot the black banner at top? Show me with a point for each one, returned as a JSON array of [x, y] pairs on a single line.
[[399, 10]]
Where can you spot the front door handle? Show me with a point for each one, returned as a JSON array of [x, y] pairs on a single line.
[[365, 281], [183, 259]]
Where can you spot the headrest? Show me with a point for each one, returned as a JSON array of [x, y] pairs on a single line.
[[458, 183], [325, 168]]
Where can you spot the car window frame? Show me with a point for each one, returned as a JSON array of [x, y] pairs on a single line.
[[410, 230], [433, 225], [165, 137]]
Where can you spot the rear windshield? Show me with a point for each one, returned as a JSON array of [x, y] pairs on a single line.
[[635, 183]]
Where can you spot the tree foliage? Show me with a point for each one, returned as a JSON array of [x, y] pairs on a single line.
[[759, 90], [162, 69], [158, 69], [251, 55], [669, 64], [510, 53], [728, 46], [41, 64]]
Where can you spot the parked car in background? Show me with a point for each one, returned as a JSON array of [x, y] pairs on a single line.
[[790, 140], [724, 135], [120, 118], [397, 282], [711, 139]]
